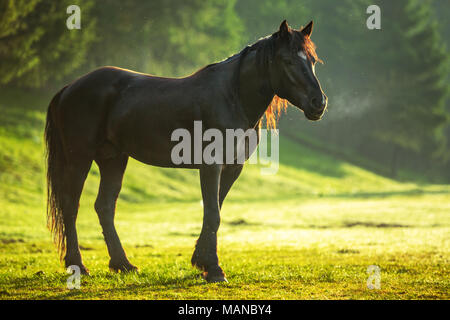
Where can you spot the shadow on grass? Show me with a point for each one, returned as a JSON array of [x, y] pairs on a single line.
[[352, 224], [140, 283], [236, 224], [411, 192], [54, 286], [369, 224]]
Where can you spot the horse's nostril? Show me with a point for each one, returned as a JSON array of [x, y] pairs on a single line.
[[319, 102]]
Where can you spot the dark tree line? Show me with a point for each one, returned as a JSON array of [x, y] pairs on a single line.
[[388, 88], [159, 36]]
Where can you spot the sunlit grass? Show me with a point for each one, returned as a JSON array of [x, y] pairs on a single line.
[[289, 249], [308, 232]]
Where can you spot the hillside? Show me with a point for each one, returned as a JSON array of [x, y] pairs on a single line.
[[318, 221], [303, 172]]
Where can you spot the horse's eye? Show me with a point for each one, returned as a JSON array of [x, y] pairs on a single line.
[[302, 55]]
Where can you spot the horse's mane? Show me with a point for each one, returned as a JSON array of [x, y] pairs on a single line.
[[264, 54], [310, 48]]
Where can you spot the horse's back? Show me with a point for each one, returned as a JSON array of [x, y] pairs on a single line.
[[137, 113], [114, 105]]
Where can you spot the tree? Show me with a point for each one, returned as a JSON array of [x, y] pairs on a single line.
[[15, 42], [164, 37], [35, 45], [263, 17], [416, 85]]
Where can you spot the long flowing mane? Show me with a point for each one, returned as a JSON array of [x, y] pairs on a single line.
[[264, 55]]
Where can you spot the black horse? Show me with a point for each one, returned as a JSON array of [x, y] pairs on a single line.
[[111, 114]]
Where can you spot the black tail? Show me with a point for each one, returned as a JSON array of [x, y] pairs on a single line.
[[55, 169]]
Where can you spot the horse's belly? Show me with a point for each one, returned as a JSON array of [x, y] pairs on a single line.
[[147, 136], [157, 153]]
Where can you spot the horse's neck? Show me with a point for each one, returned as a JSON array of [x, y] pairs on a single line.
[[254, 89]]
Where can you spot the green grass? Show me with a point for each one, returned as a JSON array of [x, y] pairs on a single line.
[[308, 232]]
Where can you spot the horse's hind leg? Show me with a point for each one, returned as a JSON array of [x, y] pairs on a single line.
[[111, 175], [73, 181]]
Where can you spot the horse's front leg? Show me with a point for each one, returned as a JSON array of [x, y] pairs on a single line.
[[205, 255]]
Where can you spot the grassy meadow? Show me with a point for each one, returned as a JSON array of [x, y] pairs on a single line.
[[308, 232]]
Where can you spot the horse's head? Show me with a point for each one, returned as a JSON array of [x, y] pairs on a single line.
[[292, 73]]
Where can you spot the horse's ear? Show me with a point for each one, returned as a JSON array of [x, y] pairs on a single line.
[[284, 29], [306, 31]]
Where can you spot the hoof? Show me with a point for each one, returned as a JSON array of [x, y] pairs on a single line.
[[83, 270], [214, 278], [212, 272], [122, 267]]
